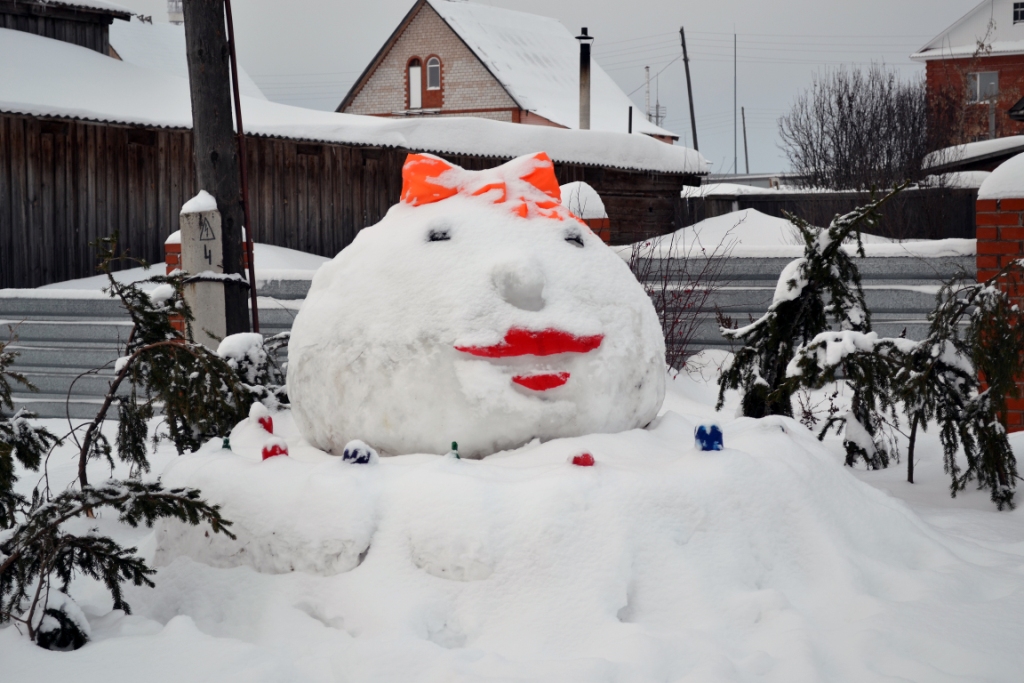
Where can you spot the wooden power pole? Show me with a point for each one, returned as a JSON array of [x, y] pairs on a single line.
[[689, 88], [746, 154], [213, 142]]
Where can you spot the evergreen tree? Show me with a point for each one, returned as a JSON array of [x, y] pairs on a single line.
[[975, 332], [814, 293], [869, 366], [199, 393], [20, 440], [200, 396], [255, 362]]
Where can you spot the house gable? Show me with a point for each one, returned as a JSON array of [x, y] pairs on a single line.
[[992, 21], [467, 85]]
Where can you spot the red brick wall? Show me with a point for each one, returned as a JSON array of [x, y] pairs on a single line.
[[1000, 242], [951, 73]]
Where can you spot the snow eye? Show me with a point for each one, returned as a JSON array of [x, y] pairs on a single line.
[[439, 236], [575, 238]]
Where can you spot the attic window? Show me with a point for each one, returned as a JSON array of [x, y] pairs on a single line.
[[434, 72], [1018, 12]]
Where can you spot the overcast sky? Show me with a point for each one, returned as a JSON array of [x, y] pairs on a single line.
[[308, 52]]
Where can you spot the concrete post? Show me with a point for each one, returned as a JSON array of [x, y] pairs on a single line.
[[202, 258]]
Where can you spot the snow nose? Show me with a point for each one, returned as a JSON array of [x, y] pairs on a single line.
[[520, 283]]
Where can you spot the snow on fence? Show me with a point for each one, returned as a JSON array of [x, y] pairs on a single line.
[[926, 213]]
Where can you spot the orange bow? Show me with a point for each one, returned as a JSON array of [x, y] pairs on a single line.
[[528, 182]]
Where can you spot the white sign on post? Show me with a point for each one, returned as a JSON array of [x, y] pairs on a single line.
[[202, 258]]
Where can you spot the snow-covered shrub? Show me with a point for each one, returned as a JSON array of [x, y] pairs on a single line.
[[961, 375], [814, 293], [20, 440], [200, 396], [681, 278], [975, 333], [254, 360]]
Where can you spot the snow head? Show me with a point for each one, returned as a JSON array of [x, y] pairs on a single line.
[[479, 310]]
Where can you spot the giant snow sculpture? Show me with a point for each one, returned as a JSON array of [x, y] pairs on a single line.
[[479, 310]]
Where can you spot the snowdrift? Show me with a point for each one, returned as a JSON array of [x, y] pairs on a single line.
[[765, 561]]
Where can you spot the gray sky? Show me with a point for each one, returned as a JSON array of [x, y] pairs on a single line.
[[308, 52]]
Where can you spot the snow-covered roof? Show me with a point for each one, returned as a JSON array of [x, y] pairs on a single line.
[[45, 77], [1006, 182], [161, 47], [961, 40], [537, 60], [973, 151], [100, 5]]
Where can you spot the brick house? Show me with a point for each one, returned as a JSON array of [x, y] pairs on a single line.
[[461, 59], [975, 70]]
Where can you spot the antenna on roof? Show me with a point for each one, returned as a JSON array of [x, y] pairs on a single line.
[[647, 93]]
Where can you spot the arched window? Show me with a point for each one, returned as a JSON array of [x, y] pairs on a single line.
[[415, 85], [433, 74]]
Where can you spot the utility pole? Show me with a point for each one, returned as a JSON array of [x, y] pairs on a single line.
[[243, 166], [689, 88], [746, 154], [647, 93], [213, 142], [735, 145]]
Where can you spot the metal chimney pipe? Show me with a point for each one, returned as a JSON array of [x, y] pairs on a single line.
[[585, 43]]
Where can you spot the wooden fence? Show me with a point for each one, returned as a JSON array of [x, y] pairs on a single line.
[[928, 213], [65, 183]]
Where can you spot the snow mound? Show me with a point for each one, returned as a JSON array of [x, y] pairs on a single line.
[[1006, 182], [661, 562], [478, 311], [204, 201], [272, 263], [583, 200], [748, 233]]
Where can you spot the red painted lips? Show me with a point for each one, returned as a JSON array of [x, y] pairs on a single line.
[[520, 342]]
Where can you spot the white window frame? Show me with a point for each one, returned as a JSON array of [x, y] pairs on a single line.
[[975, 83], [1018, 12], [433, 69], [415, 71]]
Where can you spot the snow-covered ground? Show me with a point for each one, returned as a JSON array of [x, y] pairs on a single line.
[[750, 233], [766, 561], [272, 263]]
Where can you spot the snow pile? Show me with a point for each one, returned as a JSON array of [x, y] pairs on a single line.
[[480, 311], [583, 200], [1006, 182], [750, 233], [204, 201], [764, 561], [957, 180], [972, 150], [272, 263]]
